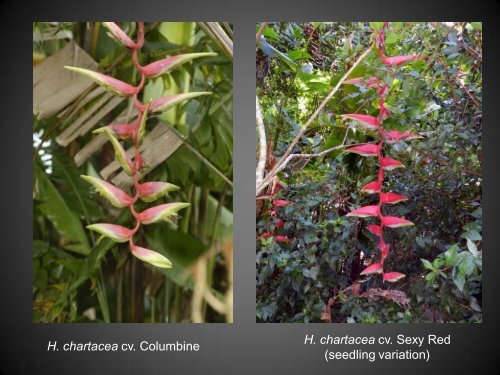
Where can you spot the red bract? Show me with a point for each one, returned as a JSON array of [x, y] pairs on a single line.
[[391, 198], [375, 229], [281, 203], [365, 150], [395, 136], [280, 238], [372, 82], [395, 222], [371, 188], [390, 164], [367, 121], [398, 60], [374, 268], [265, 235], [393, 276], [365, 211]]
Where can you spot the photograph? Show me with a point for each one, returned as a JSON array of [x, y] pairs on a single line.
[[132, 172], [369, 172]]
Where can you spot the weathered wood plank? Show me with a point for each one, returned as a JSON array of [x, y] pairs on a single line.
[[72, 131], [55, 87]]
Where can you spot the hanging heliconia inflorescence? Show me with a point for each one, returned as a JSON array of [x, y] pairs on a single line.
[[385, 163], [146, 191]]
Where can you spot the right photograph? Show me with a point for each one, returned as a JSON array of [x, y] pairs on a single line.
[[369, 172]]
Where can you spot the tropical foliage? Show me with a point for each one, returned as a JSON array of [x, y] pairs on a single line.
[[81, 278], [320, 272]]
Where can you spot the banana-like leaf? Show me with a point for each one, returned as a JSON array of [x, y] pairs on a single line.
[[65, 222]]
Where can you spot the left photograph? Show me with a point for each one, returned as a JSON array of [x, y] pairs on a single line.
[[132, 172]]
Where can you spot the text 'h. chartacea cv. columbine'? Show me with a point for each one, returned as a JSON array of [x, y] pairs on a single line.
[[134, 133]]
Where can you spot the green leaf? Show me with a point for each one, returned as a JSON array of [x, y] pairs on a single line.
[[66, 173], [427, 264], [459, 281], [472, 247], [298, 54], [53, 206]]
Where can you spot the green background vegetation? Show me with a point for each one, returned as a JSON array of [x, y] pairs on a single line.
[[440, 98]]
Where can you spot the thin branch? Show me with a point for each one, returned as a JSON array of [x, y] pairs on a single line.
[[267, 180], [261, 31], [261, 165]]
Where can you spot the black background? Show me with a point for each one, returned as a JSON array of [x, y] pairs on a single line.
[[243, 347]]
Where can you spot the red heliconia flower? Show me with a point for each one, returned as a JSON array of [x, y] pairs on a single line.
[[167, 102], [165, 65], [281, 203], [371, 188], [398, 60], [115, 32], [111, 84], [395, 222], [279, 224], [374, 268], [280, 238], [365, 150], [391, 198], [390, 164], [375, 229], [365, 211], [393, 276], [367, 121]]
